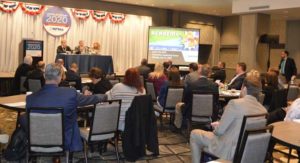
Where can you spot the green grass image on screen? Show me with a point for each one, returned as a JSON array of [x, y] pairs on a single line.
[[154, 38]]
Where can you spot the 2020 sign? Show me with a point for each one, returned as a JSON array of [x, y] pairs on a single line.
[[56, 21]]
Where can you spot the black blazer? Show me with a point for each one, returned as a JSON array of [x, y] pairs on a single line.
[[219, 74], [290, 68], [101, 87], [200, 85], [238, 82], [140, 129], [60, 49], [22, 70], [73, 76]]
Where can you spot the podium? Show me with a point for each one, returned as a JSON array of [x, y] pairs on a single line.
[[34, 48]]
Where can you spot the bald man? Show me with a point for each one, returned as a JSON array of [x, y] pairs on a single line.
[[63, 48]]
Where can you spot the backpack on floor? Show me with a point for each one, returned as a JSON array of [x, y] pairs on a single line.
[[17, 147]]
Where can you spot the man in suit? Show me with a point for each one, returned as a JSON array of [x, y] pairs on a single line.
[[193, 75], [67, 98], [73, 76], [22, 71], [63, 48], [144, 69], [223, 140], [219, 72], [287, 66], [201, 85], [37, 74], [237, 81]]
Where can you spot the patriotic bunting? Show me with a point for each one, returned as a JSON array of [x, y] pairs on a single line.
[[117, 17], [81, 14], [9, 6], [99, 16], [32, 9]]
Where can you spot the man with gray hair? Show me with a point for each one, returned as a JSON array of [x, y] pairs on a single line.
[[22, 71], [67, 98], [223, 140], [183, 113]]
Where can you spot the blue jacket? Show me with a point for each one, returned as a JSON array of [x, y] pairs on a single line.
[[53, 96]]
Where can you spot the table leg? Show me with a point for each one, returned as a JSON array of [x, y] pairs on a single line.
[[289, 156]]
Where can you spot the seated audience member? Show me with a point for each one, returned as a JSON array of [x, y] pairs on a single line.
[[126, 91], [62, 64], [219, 72], [96, 48], [270, 85], [63, 48], [158, 77], [99, 85], [223, 140], [281, 79], [37, 73], [193, 75], [81, 49], [22, 70], [237, 81], [73, 76], [53, 96], [182, 113], [63, 81], [173, 80], [167, 65], [144, 69]]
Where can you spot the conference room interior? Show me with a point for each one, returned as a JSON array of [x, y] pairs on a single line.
[[232, 33]]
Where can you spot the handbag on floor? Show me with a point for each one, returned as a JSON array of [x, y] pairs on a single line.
[[17, 147]]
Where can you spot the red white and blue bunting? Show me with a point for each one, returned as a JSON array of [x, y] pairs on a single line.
[[117, 17], [81, 14], [32, 9], [99, 16], [9, 6]]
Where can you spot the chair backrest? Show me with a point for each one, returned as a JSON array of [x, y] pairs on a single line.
[[151, 90], [174, 95], [251, 122], [114, 82], [22, 80], [34, 85], [45, 129], [293, 92], [105, 119], [279, 99], [205, 110], [261, 98], [254, 145]]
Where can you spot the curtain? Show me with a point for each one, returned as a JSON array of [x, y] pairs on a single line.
[[125, 42]]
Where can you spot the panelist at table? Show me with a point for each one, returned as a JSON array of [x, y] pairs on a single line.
[[96, 48], [81, 49], [63, 48]]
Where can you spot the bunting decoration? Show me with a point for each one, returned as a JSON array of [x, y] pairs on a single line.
[[9, 6], [99, 16], [81, 14], [32, 9], [117, 17]]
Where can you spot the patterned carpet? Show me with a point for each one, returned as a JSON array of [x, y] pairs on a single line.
[[173, 147]]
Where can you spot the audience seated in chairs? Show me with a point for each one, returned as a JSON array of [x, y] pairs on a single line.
[[173, 81], [219, 72], [99, 85], [237, 81], [270, 84], [22, 71], [126, 91], [37, 74], [157, 77], [53, 96], [73, 76], [223, 140], [193, 75], [183, 112]]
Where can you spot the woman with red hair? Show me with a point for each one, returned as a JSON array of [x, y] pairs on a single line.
[[126, 91]]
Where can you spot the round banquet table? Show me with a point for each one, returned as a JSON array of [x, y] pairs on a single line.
[[229, 94], [287, 133]]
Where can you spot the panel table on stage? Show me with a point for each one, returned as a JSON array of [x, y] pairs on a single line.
[[87, 61]]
